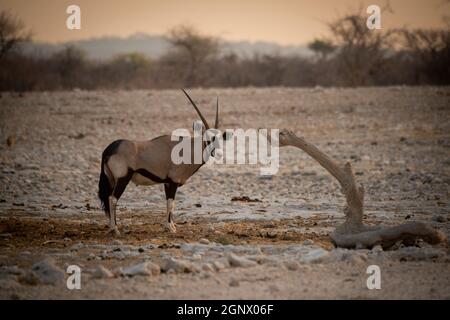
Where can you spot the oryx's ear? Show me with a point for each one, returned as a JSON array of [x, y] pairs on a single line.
[[227, 135], [198, 128]]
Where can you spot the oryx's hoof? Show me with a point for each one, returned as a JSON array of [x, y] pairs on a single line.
[[114, 232], [171, 227]]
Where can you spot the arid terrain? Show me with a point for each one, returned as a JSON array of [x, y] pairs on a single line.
[[240, 235]]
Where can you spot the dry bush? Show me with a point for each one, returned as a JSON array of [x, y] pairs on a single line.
[[430, 51], [12, 33]]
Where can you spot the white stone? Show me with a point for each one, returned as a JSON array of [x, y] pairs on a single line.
[[101, 272], [237, 261], [142, 269], [48, 273], [178, 266], [315, 256]]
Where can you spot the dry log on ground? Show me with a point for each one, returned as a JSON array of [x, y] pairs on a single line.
[[353, 233]]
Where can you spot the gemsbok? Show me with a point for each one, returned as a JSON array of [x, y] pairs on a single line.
[[146, 163]]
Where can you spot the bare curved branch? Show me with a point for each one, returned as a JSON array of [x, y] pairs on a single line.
[[354, 233]]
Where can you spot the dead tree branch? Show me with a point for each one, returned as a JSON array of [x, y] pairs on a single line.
[[353, 233]]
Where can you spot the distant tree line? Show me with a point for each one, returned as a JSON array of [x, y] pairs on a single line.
[[352, 55]]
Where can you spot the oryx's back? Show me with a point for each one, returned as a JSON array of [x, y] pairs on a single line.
[[145, 162]]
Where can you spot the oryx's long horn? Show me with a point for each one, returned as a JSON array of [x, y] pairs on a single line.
[[216, 125], [198, 111]]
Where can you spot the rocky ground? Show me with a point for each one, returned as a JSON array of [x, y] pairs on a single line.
[[240, 234]]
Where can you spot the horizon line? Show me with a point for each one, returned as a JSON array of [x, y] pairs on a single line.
[[161, 35]]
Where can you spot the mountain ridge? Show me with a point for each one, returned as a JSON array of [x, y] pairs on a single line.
[[154, 46]]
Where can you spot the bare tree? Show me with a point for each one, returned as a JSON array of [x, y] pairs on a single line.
[[361, 51], [12, 32], [194, 48], [322, 48]]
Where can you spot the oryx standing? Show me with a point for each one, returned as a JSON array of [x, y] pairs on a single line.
[[145, 163]]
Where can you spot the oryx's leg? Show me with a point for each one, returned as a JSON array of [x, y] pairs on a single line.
[[170, 189], [118, 190], [112, 216]]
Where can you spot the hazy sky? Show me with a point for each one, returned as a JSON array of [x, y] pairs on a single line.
[[282, 21]]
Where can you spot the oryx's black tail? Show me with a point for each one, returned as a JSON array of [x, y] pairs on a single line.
[[104, 187]]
